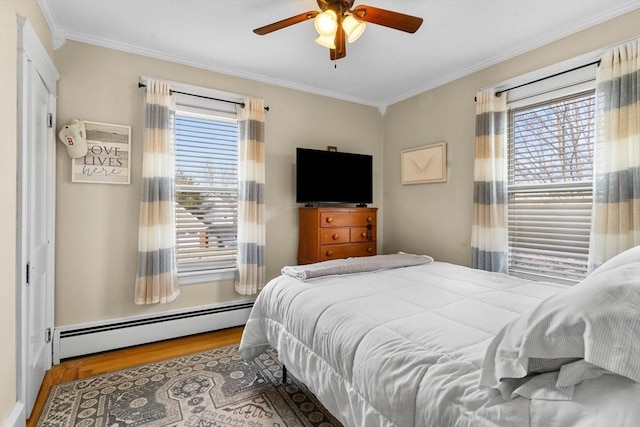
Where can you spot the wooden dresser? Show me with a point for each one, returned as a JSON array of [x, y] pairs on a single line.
[[331, 233]]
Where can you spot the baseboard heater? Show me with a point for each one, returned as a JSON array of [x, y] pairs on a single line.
[[79, 340]]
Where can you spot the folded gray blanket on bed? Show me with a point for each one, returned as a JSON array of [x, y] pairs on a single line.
[[355, 265]]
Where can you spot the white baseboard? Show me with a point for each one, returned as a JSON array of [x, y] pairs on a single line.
[[78, 340], [17, 416]]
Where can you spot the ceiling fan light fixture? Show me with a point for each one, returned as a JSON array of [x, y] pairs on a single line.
[[326, 23], [353, 28], [338, 22], [327, 41]]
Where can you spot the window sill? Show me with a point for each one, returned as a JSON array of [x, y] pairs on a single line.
[[198, 278], [542, 278]]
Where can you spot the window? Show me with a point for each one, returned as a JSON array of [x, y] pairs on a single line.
[[550, 186], [206, 184]]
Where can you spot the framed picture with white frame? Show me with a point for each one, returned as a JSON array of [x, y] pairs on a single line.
[[108, 157], [425, 164]]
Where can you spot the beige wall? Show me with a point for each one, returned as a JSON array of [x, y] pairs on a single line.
[[97, 224], [436, 218], [9, 10]]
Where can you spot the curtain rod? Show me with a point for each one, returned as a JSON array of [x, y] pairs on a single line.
[[498, 93], [205, 97]]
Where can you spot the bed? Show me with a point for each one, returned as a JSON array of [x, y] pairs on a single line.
[[425, 343]]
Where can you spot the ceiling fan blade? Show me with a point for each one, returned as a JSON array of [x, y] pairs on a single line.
[[387, 18], [285, 23], [341, 45]]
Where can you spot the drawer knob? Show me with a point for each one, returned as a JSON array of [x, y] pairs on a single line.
[[336, 236], [329, 219], [363, 234], [329, 252], [369, 219], [369, 249]]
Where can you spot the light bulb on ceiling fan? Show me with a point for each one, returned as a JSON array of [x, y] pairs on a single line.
[[326, 23], [327, 41], [353, 28]]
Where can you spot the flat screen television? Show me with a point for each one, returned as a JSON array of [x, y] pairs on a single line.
[[324, 177]]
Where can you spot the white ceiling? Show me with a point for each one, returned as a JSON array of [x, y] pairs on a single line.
[[384, 66]]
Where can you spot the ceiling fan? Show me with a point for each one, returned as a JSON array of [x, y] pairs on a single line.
[[337, 22]]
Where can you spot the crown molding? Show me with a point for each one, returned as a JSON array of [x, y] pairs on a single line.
[[125, 47], [533, 44], [60, 36], [49, 15]]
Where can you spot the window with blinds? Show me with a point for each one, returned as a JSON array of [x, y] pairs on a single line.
[[550, 187], [206, 194]]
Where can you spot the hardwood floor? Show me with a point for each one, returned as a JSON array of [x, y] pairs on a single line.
[[82, 367]]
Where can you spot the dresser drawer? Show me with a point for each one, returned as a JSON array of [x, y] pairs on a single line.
[[328, 252], [359, 234], [347, 219], [332, 236]]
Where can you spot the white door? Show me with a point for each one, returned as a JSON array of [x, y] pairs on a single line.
[[38, 230], [37, 81]]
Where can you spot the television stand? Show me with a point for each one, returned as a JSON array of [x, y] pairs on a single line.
[[361, 205]]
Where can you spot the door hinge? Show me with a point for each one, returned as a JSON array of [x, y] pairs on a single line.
[[28, 271], [50, 120], [48, 335]]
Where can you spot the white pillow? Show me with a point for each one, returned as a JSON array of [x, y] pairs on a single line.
[[595, 324], [630, 255]]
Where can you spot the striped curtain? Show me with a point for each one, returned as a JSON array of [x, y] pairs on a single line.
[[250, 272], [489, 231], [616, 210], [157, 278]]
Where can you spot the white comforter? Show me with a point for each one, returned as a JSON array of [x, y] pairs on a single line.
[[404, 347]]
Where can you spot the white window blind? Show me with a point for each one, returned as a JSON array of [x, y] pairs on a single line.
[[206, 190], [550, 187]]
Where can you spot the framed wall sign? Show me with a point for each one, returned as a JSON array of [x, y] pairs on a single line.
[[424, 164], [108, 158]]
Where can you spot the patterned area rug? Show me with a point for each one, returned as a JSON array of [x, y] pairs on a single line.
[[214, 388]]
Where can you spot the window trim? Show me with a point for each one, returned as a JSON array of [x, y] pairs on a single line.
[[200, 91], [568, 87], [199, 278], [548, 84]]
